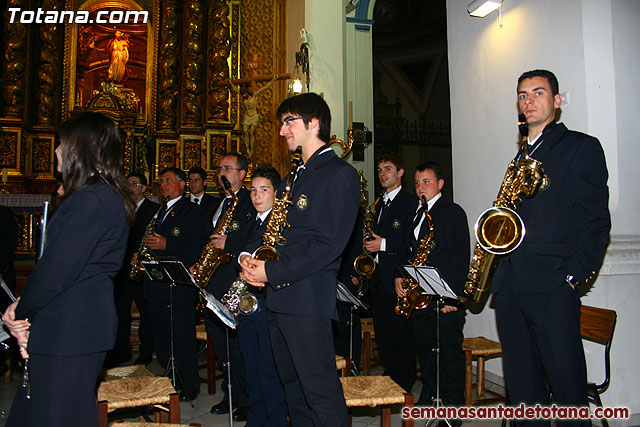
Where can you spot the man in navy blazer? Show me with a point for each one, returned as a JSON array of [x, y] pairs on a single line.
[[181, 232], [394, 214], [449, 253], [232, 166], [301, 292], [537, 301], [197, 189], [127, 289]]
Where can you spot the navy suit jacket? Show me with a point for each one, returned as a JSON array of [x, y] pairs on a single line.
[[394, 226], [567, 225], [450, 252], [209, 203], [228, 272], [69, 296], [325, 200], [187, 231]]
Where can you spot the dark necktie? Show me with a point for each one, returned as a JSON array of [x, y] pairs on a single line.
[[196, 201], [257, 225], [383, 208], [416, 221], [225, 205], [161, 214]]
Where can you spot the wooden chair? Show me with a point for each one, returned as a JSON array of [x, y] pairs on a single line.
[[136, 392], [343, 364], [201, 335], [376, 391], [368, 335], [597, 325], [480, 348]]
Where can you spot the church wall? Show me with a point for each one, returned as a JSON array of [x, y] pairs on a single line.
[[590, 45]]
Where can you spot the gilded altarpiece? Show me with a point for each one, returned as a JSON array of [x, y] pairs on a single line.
[[168, 96]]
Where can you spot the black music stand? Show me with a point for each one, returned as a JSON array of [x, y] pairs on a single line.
[[3, 335], [343, 294], [432, 282], [170, 270]]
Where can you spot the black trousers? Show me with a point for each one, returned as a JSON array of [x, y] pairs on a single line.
[[127, 290], [452, 360], [63, 392], [218, 333], [541, 339], [394, 337], [305, 358], [184, 334], [267, 405]]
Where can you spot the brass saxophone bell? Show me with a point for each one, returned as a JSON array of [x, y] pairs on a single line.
[[499, 230]]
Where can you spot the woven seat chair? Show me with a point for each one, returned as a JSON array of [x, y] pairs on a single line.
[[136, 392], [480, 348], [376, 391]]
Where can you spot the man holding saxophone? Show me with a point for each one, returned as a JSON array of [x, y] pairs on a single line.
[[567, 228], [301, 291]]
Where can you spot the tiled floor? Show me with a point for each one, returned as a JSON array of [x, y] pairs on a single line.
[[198, 411]]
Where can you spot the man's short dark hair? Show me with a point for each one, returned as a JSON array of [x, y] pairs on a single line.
[[397, 161], [308, 106], [140, 176], [268, 172], [433, 166], [199, 171], [242, 162], [551, 78], [179, 173]]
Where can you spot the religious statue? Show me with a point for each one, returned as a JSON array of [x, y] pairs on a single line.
[[251, 116], [119, 49]]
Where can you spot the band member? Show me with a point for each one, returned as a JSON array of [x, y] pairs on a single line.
[[181, 233], [301, 292], [537, 301], [127, 289], [394, 215], [65, 320], [449, 253], [197, 187], [267, 405], [232, 166]]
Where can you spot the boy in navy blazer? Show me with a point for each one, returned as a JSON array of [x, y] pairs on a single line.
[[301, 291]]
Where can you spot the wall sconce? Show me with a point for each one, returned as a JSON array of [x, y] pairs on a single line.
[[302, 57], [482, 8]]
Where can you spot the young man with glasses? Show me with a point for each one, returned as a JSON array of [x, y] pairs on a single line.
[[127, 289], [301, 284]]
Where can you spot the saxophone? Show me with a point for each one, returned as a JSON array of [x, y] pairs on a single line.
[[143, 250], [212, 257], [365, 264], [238, 299], [500, 230], [415, 297]]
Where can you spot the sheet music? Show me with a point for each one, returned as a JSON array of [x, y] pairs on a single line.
[[434, 278]]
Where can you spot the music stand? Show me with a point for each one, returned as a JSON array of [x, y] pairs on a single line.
[[432, 282], [170, 270], [3, 335], [343, 294]]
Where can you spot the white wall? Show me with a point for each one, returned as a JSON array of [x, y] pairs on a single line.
[[592, 47]]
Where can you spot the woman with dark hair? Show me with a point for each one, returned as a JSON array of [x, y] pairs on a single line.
[[65, 319]]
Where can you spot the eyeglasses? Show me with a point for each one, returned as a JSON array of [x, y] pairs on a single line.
[[225, 168], [287, 121], [136, 184]]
